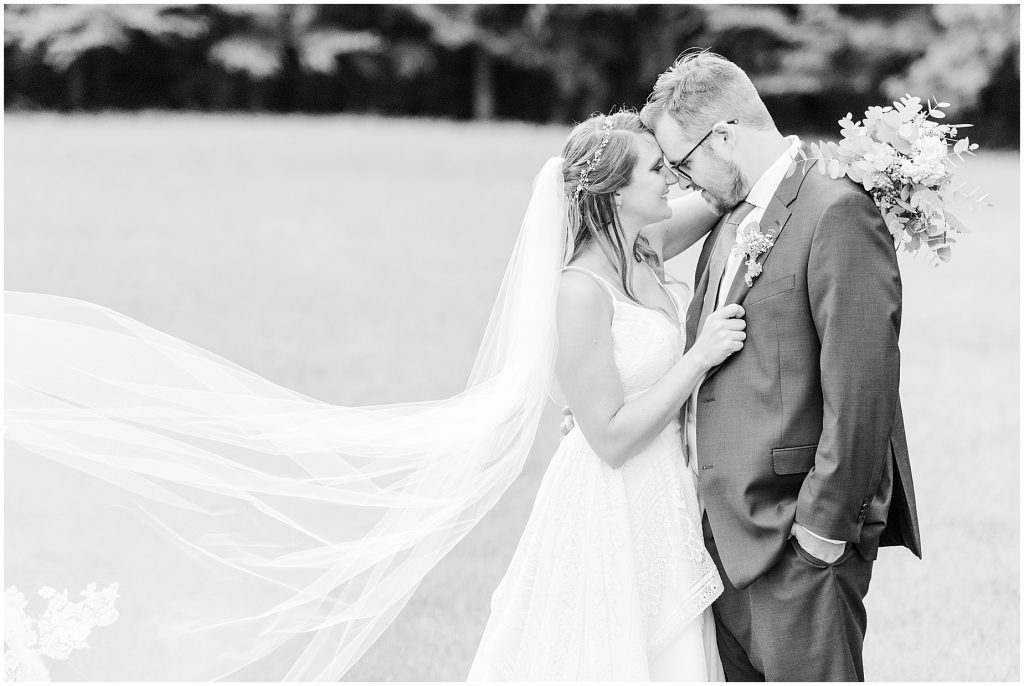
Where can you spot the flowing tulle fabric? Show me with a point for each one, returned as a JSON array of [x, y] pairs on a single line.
[[254, 532]]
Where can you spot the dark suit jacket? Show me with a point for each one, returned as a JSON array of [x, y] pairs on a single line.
[[804, 423]]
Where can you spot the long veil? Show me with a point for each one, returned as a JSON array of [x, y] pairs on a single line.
[[253, 532]]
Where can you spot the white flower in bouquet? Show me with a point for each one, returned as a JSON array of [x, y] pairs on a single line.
[[904, 159]]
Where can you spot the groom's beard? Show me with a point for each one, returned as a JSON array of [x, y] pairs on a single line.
[[729, 188]]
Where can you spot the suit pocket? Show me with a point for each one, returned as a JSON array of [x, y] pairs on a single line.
[[798, 460], [819, 563], [770, 290]]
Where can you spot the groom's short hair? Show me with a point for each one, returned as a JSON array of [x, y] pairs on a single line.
[[702, 88]]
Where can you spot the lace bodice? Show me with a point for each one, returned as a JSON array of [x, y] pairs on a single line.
[[645, 342]]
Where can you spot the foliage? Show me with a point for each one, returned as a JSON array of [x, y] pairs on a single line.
[[263, 37], [831, 50], [538, 62], [64, 33], [975, 39], [902, 157]]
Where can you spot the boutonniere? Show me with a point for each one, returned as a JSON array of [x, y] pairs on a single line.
[[751, 243]]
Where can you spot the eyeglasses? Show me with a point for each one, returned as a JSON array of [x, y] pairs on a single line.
[[676, 166]]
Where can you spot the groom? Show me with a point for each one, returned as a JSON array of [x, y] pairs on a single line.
[[797, 441]]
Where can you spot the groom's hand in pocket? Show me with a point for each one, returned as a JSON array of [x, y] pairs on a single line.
[[826, 551]]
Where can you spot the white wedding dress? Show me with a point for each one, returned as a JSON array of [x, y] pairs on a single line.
[[611, 580]]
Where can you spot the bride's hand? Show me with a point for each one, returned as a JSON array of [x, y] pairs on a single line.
[[722, 336], [568, 423]]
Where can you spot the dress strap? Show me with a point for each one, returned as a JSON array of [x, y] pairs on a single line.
[[600, 280]]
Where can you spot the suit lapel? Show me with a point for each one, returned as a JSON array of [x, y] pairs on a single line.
[[700, 282], [772, 222]]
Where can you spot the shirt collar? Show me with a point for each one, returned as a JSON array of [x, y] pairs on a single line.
[[762, 191]]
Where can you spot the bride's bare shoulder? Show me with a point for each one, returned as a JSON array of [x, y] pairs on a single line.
[[582, 294], [585, 311]]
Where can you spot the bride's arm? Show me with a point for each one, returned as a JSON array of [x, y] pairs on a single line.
[[614, 428], [691, 220]]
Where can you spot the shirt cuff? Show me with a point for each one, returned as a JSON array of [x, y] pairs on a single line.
[[822, 538]]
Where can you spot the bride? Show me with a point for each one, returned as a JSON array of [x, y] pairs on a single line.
[[267, 535], [611, 580]]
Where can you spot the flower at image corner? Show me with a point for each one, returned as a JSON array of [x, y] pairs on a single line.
[[61, 628]]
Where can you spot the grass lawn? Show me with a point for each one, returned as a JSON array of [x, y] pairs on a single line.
[[356, 260]]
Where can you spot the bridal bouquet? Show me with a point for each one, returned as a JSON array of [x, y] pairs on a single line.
[[903, 158]]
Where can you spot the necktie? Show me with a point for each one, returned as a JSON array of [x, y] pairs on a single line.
[[719, 258]]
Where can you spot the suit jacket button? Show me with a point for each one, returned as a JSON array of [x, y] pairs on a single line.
[[860, 518]]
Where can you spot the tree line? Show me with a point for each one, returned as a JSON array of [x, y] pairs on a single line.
[[543, 63]]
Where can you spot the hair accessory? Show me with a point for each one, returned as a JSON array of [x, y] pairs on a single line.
[[584, 185], [618, 201]]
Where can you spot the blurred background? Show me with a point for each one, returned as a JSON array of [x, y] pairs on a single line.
[[328, 195], [539, 63]]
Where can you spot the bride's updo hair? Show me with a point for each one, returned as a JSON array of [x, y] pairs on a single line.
[[599, 155]]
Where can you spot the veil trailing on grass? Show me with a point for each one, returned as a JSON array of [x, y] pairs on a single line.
[[253, 532]]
